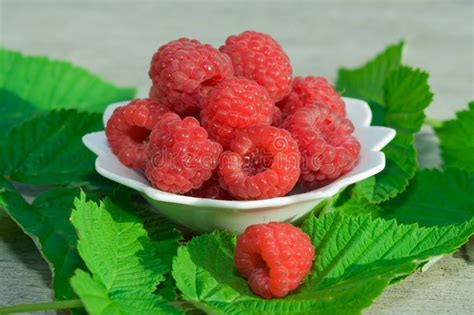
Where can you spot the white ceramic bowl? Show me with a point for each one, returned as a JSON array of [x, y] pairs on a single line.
[[200, 214]]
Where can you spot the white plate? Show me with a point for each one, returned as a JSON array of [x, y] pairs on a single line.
[[200, 214]]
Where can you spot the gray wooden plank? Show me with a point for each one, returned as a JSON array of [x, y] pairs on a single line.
[[24, 275]]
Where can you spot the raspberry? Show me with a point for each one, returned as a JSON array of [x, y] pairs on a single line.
[[211, 190], [263, 162], [234, 104], [310, 90], [128, 129], [259, 57], [183, 71], [274, 257], [180, 156], [277, 118], [327, 148]]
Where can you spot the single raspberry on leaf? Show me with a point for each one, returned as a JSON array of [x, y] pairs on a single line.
[[274, 257], [328, 150], [263, 162], [180, 156], [211, 190], [259, 57], [129, 127], [234, 104], [311, 90], [183, 71]]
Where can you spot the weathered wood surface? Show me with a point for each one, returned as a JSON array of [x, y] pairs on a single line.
[[116, 39]]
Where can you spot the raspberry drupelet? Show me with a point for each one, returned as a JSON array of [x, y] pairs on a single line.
[[274, 257], [180, 155], [211, 190], [235, 104], [277, 119], [263, 162], [259, 57], [328, 150], [311, 90], [183, 71], [129, 127]]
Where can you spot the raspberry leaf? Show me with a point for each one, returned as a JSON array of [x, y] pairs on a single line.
[[400, 167], [122, 259], [406, 95], [434, 198], [31, 86], [457, 140], [45, 84], [10, 118], [365, 244], [351, 203], [356, 258], [397, 96], [367, 81], [46, 221], [162, 232], [48, 149]]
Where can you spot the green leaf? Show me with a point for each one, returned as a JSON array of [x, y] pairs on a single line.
[[48, 149], [46, 221], [434, 198], [351, 203], [356, 258], [401, 164], [122, 259], [162, 232], [10, 118], [457, 140], [397, 96], [406, 95], [53, 84], [367, 81], [167, 238], [29, 88]]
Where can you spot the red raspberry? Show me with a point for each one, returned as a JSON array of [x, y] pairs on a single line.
[[234, 104], [182, 72], [327, 148], [310, 90], [277, 118], [259, 57], [128, 129], [211, 190], [274, 257], [263, 162], [180, 156]]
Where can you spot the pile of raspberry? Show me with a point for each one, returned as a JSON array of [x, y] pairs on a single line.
[[233, 123]]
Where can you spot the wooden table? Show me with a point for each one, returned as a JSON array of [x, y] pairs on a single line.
[[116, 40]]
